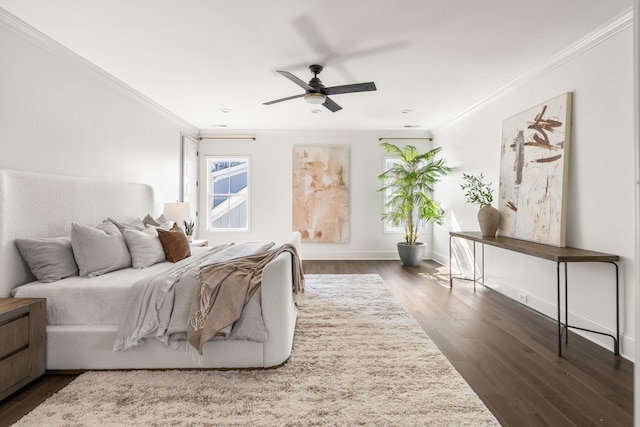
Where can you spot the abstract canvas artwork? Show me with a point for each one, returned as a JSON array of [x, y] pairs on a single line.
[[321, 193], [533, 172]]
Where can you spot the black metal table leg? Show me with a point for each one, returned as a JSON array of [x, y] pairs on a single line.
[[559, 311], [474, 266], [616, 343], [450, 263], [483, 265], [566, 304], [564, 328], [474, 279]]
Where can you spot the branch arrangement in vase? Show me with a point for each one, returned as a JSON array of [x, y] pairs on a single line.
[[477, 192], [480, 193]]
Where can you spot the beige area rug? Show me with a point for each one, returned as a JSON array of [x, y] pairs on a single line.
[[358, 359]]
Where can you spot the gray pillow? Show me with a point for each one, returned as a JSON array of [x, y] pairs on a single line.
[[136, 224], [160, 222], [98, 252], [49, 259], [109, 228], [145, 247]]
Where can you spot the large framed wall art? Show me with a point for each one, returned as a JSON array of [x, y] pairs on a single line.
[[533, 172], [320, 189]]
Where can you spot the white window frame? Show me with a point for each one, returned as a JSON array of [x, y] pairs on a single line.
[[229, 204], [388, 227]]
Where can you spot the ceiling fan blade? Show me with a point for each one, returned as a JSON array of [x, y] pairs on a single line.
[[283, 99], [304, 85], [324, 54], [376, 50], [309, 31], [357, 87], [331, 106]]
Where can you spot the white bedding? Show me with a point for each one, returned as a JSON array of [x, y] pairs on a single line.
[[100, 300]]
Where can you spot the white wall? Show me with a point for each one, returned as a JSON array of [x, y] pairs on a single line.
[[600, 188], [60, 114], [271, 161]]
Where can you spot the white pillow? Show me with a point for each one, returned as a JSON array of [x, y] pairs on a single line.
[[97, 252], [49, 259], [145, 247]]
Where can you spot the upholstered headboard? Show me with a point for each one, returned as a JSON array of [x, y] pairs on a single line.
[[44, 205]]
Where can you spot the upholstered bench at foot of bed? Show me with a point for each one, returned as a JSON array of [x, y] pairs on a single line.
[[89, 347]]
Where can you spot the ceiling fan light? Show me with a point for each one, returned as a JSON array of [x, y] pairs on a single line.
[[315, 98]]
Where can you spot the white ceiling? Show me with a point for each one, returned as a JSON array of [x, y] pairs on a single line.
[[433, 57]]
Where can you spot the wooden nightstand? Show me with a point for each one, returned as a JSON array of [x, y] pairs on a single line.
[[23, 323], [196, 243]]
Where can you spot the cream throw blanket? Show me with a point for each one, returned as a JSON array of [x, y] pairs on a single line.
[[227, 287]]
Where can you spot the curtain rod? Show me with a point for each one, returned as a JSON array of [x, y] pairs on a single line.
[[253, 138], [428, 138]]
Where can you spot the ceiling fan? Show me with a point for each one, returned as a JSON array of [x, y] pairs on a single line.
[[317, 93]]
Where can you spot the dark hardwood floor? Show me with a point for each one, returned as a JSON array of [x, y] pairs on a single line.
[[505, 351]]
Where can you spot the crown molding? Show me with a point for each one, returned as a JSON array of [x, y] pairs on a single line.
[[604, 32], [45, 42]]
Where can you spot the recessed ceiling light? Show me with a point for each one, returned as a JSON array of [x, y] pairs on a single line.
[[412, 126], [225, 110], [406, 111], [218, 126], [316, 111]]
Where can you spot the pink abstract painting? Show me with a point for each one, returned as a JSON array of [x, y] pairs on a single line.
[[321, 193]]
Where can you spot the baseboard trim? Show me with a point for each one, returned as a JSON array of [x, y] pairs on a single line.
[[318, 255]]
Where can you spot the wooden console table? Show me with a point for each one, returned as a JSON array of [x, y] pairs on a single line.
[[552, 253]]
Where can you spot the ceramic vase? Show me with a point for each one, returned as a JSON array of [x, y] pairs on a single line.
[[489, 220]]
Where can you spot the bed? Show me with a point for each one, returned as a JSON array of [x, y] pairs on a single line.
[[82, 336]]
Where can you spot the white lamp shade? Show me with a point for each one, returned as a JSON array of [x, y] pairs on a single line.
[[177, 212]]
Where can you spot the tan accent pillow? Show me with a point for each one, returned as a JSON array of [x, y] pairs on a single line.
[[175, 244]]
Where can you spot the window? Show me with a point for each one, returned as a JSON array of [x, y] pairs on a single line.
[[228, 193]]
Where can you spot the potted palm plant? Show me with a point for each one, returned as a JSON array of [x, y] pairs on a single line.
[[408, 185]]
